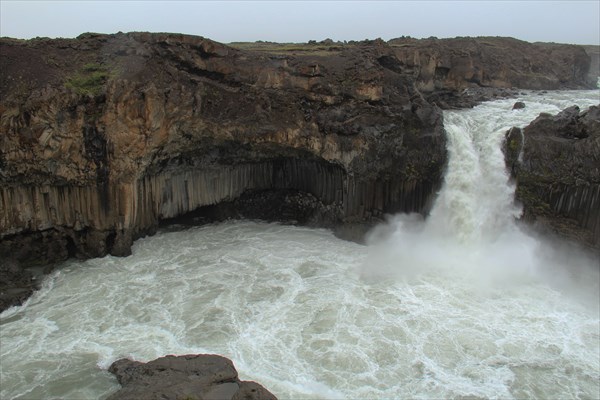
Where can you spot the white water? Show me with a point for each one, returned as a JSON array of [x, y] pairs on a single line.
[[464, 304]]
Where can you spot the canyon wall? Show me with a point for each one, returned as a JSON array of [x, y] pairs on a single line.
[[556, 163], [463, 71], [594, 72], [104, 136]]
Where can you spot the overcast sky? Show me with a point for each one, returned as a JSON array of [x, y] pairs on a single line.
[[300, 21]]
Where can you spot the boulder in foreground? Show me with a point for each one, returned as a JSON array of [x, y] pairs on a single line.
[[193, 376]]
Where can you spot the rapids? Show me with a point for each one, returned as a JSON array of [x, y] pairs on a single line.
[[463, 303]]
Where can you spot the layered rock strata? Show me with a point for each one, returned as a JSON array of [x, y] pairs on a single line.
[[556, 163], [104, 136], [190, 377], [462, 72]]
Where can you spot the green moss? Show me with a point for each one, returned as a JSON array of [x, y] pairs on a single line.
[[90, 80], [411, 172]]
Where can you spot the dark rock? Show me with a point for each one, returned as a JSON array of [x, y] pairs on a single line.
[[518, 105], [16, 284], [594, 72], [497, 62], [513, 146], [558, 178], [202, 376], [121, 245], [446, 67], [327, 135], [178, 123], [467, 98]]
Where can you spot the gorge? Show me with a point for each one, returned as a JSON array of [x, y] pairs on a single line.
[[466, 303], [106, 137], [177, 122]]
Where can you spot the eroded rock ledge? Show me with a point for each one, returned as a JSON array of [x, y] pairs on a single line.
[[190, 377], [105, 136], [558, 174], [464, 71], [115, 133]]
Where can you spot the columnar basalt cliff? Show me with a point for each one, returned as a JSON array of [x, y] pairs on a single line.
[[106, 135], [461, 72], [556, 162]]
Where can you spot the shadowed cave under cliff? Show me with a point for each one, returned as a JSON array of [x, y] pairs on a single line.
[[286, 189], [290, 190]]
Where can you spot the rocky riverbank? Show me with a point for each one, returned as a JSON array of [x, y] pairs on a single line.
[[556, 163], [105, 136]]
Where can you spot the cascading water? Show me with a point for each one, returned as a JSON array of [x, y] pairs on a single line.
[[462, 304]]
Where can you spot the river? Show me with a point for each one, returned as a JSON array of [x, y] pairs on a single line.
[[464, 303]]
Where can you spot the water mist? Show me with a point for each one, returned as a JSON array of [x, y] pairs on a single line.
[[464, 303]]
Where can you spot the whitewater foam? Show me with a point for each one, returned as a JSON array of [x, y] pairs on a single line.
[[464, 303]]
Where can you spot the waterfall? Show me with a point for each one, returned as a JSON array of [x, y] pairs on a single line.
[[472, 226], [476, 200], [462, 304]]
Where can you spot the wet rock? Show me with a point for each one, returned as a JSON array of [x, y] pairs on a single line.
[[177, 123], [201, 376], [104, 136], [513, 146], [594, 72], [16, 284], [558, 177], [467, 98], [518, 105]]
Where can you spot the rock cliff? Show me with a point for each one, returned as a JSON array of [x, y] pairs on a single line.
[[594, 72], [106, 135], [556, 162], [461, 72]]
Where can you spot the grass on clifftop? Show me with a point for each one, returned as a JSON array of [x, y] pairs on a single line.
[[282, 48], [90, 80]]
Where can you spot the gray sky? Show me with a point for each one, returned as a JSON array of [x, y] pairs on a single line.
[[299, 21]]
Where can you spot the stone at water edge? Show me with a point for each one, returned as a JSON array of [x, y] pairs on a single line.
[[192, 376], [518, 105], [558, 179], [16, 284]]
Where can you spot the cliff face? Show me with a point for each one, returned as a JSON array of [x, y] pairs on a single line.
[[558, 175], [594, 72], [105, 135], [453, 72]]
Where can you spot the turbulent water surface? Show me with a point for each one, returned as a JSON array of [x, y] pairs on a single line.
[[463, 304]]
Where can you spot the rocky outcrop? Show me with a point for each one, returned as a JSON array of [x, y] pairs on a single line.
[[16, 284], [190, 377], [462, 72], [105, 136], [556, 162], [594, 72]]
